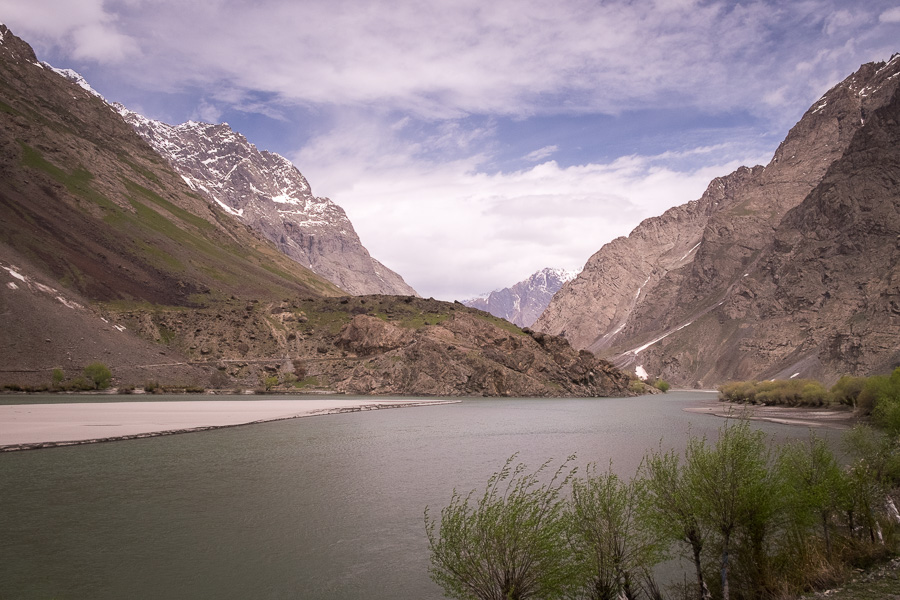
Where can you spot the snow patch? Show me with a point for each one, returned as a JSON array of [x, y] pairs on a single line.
[[76, 78], [15, 274], [691, 250], [228, 209], [641, 373], [119, 327], [68, 303], [11, 285], [795, 375]]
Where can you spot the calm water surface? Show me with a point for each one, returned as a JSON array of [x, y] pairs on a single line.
[[326, 507]]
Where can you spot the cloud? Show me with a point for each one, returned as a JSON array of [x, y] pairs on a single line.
[[445, 60], [454, 230], [541, 154], [86, 30], [891, 15]]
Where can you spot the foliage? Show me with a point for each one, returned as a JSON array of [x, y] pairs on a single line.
[[754, 522], [881, 396], [662, 385], [269, 381], [671, 511], [637, 386], [98, 375], [790, 392], [509, 544], [735, 493], [57, 377], [612, 549], [846, 390]]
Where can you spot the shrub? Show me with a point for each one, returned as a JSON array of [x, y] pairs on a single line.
[[57, 377], [98, 375], [508, 543], [846, 390], [662, 386]]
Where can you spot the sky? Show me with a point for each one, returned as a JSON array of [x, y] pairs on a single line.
[[475, 142]]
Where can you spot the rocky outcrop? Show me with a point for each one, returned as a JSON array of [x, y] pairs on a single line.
[[673, 297], [524, 302], [268, 193]]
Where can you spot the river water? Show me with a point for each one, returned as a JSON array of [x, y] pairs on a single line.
[[327, 507]]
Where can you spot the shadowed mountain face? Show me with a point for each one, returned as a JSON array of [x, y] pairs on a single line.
[[107, 254], [265, 191], [524, 302], [775, 271]]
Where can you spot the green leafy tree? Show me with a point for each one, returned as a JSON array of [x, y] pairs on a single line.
[[98, 374], [730, 481], [671, 509], [507, 544], [816, 488], [611, 545]]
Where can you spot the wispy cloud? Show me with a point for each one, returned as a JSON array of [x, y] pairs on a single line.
[[541, 153], [445, 60], [891, 15]]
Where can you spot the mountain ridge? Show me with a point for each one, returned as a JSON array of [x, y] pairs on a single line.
[[729, 230], [523, 302], [268, 193]]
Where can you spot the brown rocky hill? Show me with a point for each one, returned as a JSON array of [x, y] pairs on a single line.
[[673, 298], [106, 254]]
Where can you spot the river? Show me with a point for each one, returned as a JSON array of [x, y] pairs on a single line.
[[326, 507]]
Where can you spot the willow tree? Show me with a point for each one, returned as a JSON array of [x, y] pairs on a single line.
[[613, 548], [671, 508], [735, 493], [507, 544]]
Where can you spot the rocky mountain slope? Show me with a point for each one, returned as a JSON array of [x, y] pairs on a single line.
[[524, 302], [268, 193], [106, 254], [753, 280]]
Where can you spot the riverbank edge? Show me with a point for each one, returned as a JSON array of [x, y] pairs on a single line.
[[177, 431], [832, 417]]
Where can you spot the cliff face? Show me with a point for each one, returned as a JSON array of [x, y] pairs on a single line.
[[524, 302], [265, 191], [673, 297]]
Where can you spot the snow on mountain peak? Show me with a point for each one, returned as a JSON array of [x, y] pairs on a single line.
[[74, 77]]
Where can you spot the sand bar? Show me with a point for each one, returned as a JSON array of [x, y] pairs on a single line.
[[30, 426], [837, 417]]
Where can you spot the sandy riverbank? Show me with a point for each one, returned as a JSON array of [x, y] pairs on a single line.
[[29, 426], [828, 417]]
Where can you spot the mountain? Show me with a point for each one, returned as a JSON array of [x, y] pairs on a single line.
[[777, 271], [107, 254], [524, 302], [268, 193]]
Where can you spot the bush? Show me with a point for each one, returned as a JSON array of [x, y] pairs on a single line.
[[57, 378], [98, 375], [509, 543], [662, 386], [789, 392], [846, 390]]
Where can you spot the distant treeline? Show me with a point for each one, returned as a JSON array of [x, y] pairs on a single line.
[[877, 396]]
